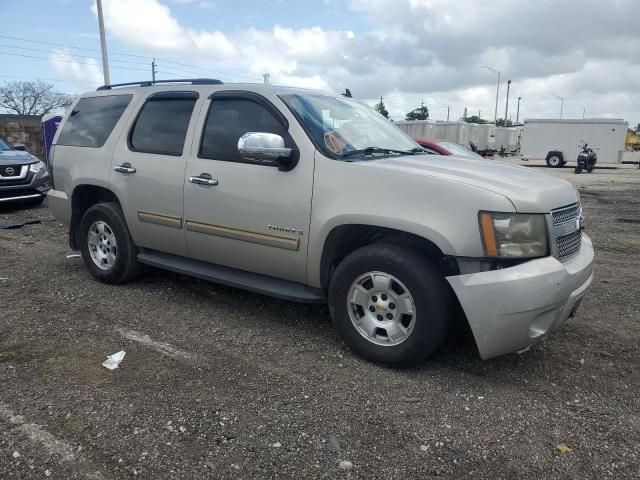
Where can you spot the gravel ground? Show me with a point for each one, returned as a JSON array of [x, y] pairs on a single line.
[[221, 383]]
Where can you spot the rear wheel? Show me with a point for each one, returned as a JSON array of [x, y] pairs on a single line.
[[106, 246], [390, 305]]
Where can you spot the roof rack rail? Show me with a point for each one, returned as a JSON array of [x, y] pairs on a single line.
[[148, 83]]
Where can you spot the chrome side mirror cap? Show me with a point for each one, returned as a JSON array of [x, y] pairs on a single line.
[[263, 146]]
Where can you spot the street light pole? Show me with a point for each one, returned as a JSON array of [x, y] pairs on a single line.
[[561, 103], [497, 72], [584, 110], [103, 44], [518, 111], [506, 108]]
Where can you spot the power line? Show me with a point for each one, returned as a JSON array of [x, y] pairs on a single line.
[[54, 52], [131, 55], [51, 79], [68, 61], [70, 46]]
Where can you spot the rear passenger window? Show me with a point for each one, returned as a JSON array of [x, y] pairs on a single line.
[[161, 126], [228, 120], [92, 119]]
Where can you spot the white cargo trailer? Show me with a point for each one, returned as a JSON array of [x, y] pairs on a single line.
[[461, 133], [558, 141], [507, 138]]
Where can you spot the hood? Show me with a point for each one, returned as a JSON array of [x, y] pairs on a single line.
[[529, 191], [16, 157]]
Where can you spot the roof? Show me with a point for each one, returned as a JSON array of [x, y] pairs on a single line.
[[606, 121], [201, 86]]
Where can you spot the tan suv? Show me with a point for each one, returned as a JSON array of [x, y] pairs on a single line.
[[313, 197]]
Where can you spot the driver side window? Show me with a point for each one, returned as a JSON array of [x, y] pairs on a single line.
[[230, 118]]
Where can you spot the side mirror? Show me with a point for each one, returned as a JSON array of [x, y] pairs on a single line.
[[19, 146], [264, 146]]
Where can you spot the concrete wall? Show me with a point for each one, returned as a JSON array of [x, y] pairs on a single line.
[[25, 129]]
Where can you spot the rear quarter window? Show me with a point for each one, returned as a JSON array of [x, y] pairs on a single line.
[[92, 119]]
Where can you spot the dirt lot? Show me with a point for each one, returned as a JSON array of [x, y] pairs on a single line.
[[220, 383]]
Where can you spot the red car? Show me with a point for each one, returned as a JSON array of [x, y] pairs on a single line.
[[444, 147]]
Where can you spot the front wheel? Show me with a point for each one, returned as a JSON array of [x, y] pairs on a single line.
[[390, 305], [578, 169], [106, 246]]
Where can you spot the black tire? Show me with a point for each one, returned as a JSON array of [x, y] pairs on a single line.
[[578, 169], [432, 296], [555, 160], [590, 169], [126, 266]]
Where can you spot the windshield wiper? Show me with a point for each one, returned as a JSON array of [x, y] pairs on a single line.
[[372, 150]]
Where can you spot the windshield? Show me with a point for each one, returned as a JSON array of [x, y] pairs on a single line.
[[456, 149], [338, 126], [4, 145]]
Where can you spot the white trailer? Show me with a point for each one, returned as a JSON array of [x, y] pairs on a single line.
[[558, 141], [507, 138], [461, 133]]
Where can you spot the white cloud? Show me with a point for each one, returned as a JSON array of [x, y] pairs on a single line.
[[431, 50], [68, 68]]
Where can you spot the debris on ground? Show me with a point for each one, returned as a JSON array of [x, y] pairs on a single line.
[[114, 360], [563, 448]]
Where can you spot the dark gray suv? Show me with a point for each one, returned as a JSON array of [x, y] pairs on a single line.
[[23, 178]]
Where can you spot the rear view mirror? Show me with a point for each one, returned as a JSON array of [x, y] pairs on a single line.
[[19, 146], [264, 146]]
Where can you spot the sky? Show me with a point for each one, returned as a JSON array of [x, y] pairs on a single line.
[[407, 51]]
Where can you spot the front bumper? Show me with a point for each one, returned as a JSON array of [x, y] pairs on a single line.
[[511, 309], [31, 187]]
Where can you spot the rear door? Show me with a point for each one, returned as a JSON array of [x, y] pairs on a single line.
[[253, 216], [148, 170]]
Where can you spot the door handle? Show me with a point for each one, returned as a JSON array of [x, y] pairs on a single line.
[[124, 168], [204, 181]]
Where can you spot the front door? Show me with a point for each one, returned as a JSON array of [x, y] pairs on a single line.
[[148, 171], [245, 214]]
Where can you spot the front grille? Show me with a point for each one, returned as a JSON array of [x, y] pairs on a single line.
[[20, 181], [569, 244], [9, 170], [565, 214], [567, 230]]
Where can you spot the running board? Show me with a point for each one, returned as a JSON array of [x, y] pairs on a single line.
[[254, 282]]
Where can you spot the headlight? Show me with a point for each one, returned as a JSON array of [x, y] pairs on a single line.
[[514, 234], [36, 167]]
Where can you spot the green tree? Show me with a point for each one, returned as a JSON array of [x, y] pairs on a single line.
[[474, 119], [501, 123], [381, 109], [420, 113], [464, 115]]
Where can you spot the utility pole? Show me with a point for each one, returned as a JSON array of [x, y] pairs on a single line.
[[518, 112], [497, 72], [103, 44], [506, 108], [153, 70], [561, 103], [266, 78]]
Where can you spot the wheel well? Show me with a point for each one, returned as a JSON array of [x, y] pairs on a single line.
[[83, 197], [345, 239], [555, 153]]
